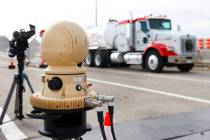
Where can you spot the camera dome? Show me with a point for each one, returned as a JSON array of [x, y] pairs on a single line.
[[64, 44]]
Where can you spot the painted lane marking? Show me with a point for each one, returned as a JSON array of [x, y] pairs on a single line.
[[147, 89], [13, 127], [152, 75], [10, 130], [149, 75], [180, 78], [152, 91], [177, 78], [163, 76]]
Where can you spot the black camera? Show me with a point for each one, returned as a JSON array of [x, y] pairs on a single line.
[[19, 42]]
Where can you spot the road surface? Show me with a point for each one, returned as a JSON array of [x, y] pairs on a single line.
[[141, 97]]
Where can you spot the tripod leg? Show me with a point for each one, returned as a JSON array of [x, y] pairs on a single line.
[[8, 99], [19, 99], [28, 82], [16, 101]]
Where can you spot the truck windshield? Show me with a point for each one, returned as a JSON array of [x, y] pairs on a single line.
[[161, 24]]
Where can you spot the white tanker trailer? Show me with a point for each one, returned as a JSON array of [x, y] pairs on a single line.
[[148, 41]]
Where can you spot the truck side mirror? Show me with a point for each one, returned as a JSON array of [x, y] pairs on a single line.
[[145, 40]]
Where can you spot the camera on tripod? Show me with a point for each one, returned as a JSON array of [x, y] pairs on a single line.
[[19, 42], [18, 45]]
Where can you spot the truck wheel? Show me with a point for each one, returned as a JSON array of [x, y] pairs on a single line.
[[185, 67], [89, 60], [154, 62], [101, 59]]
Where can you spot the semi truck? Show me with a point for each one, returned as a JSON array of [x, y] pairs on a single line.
[[148, 41]]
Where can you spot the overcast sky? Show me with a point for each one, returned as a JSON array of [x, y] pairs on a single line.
[[192, 15]]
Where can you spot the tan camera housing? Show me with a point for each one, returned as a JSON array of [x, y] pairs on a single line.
[[64, 45]]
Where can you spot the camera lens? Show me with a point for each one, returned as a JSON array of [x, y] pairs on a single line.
[[16, 35], [55, 83]]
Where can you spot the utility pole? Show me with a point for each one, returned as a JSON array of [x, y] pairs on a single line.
[[96, 13]]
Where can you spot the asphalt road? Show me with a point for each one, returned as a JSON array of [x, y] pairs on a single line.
[[139, 95]]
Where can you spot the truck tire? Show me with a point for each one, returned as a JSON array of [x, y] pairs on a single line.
[[154, 62], [89, 60], [101, 59], [185, 67]]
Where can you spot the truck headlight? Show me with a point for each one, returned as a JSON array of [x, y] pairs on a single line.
[[170, 49]]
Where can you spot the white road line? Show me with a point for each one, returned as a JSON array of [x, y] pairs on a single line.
[[152, 91], [144, 74], [165, 76], [153, 75], [180, 78], [10, 130]]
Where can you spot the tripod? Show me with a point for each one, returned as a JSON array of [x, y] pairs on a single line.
[[18, 83]]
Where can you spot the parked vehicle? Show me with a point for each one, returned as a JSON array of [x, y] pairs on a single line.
[[148, 41]]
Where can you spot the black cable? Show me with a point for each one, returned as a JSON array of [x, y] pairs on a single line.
[[100, 116], [111, 112]]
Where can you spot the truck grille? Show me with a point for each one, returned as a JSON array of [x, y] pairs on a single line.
[[188, 45]]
